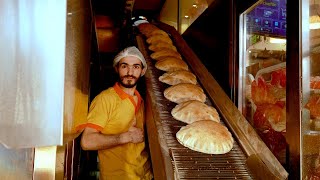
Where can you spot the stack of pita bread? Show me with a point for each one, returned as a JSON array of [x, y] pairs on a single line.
[[203, 131]]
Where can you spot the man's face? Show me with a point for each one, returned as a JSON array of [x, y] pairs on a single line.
[[130, 70]]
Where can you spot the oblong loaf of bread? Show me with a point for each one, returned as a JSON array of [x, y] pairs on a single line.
[[177, 77], [184, 92], [192, 111], [206, 136]]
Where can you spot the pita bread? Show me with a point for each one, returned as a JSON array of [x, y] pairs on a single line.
[[159, 32], [147, 28], [171, 64], [159, 38], [177, 77], [165, 52], [155, 46], [156, 49], [184, 92], [192, 111], [206, 136]]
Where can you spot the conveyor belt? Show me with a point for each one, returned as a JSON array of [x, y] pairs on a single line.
[[188, 164]]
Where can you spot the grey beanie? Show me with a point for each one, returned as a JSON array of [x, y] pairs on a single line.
[[130, 51]]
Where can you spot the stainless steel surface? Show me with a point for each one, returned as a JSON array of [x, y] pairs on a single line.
[[32, 42], [186, 163], [193, 165]]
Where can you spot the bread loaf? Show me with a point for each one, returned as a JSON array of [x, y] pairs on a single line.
[[192, 111], [165, 52], [206, 136], [156, 46], [171, 64], [179, 76], [159, 38], [184, 92]]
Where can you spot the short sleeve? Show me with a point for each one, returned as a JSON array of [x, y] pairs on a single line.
[[99, 111]]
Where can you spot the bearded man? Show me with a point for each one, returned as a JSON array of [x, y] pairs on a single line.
[[115, 123]]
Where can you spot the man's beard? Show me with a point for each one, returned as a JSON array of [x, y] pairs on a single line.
[[128, 83]]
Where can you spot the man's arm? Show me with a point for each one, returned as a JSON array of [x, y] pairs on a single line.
[[92, 139]]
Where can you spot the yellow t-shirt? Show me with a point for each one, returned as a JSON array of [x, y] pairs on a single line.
[[113, 112]]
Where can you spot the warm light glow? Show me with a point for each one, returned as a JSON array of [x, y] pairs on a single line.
[[277, 40], [186, 16], [194, 5], [314, 25], [314, 22], [45, 161]]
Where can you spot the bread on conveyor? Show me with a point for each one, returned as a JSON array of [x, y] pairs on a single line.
[[176, 77], [158, 32], [206, 136], [184, 92], [157, 55], [147, 28], [171, 64], [159, 38], [156, 46], [192, 111]]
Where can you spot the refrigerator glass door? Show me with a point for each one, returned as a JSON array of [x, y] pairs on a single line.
[[310, 123], [262, 72]]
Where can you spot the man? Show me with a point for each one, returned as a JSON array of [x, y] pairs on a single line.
[[115, 125]]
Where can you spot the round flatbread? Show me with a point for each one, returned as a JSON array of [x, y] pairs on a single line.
[[206, 136], [157, 55], [158, 32], [159, 38], [170, 63], [155, 46], [192, 111], [147, 28], [177, 77], [184, 92]]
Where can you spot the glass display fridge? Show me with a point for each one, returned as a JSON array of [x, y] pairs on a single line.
[[279, 80]]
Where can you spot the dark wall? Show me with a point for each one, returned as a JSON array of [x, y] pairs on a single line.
[[113, 8], [214, 38], [208, 36]]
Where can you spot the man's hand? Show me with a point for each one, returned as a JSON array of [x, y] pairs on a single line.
[[134, 135], [92, 139]]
